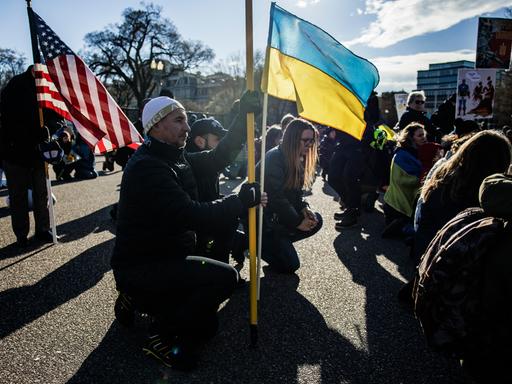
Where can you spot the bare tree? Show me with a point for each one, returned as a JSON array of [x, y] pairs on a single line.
[[235, 82], [123, 53], [11, 64]]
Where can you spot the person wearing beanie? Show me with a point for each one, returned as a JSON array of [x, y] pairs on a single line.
[[158, 216]]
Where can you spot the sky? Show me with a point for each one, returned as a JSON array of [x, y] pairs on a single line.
[[400, 36]]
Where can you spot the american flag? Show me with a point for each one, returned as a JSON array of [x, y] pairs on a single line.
[[70, 88]]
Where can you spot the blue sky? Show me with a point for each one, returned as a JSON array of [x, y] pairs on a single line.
[[399, 36]]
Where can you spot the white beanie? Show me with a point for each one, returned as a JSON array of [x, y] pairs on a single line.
[[156, 109]]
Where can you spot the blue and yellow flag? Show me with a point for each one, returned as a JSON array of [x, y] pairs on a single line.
[[306, 65]]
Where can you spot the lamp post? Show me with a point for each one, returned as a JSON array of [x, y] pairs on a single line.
[[158, 68]]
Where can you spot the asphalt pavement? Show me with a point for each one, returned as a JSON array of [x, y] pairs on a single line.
[[336, 320]]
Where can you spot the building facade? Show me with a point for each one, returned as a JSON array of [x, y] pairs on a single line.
[[439, 82]]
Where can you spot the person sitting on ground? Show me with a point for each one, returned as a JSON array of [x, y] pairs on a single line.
[[488, 360], [289, 169], [454, 185], [404, 182], [157, 220], [205, 135]]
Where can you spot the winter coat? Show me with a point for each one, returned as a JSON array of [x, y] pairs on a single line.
[[158, 212], [432, 216], [207, 174], [413, 116], [404, 181], [326, 151], [284, 205], [20, 129]]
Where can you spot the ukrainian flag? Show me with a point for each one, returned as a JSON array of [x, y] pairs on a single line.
[[306, 65]]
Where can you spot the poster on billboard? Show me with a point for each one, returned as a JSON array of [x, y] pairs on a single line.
[[475, 93], [400, 103], [494, 43]]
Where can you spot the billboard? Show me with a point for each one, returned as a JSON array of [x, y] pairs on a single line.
[[475, 93], [494, 43]]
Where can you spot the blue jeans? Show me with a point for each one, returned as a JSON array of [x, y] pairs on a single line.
[[278, 250]]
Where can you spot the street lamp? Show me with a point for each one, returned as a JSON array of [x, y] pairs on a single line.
[[158, 68]]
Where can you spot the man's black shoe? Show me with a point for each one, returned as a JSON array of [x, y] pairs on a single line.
[[340, 215], [171, 354], [124, 310], [45, 237], [21, 242], [347, 219]]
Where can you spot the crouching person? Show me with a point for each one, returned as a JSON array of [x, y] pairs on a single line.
[[158, 216], [290, 168]]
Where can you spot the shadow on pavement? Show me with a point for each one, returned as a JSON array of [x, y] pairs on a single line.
[[397, 351], [95, 222], [294, 338], [20, 306]]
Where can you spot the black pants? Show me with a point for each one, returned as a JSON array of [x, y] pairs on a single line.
[[218, 242], [181, 295], [278, 250], [345, 171], [19, 180]]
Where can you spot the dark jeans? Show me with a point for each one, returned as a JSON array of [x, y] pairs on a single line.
[[19, 180], [345, 172], [181, 295], [278, 250], [217, 243]]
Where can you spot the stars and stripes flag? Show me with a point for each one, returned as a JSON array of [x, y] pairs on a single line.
[[65, 84]]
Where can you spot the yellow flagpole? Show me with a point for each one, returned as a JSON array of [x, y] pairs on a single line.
[[251, 176]]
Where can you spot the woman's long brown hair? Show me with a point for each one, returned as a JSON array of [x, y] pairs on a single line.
[[300, 173], [484, 154]]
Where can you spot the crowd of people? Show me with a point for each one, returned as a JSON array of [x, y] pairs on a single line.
[[171, 258]]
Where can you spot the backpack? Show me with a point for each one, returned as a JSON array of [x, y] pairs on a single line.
[[449, 279]]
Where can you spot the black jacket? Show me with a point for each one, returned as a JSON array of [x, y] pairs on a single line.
[[158, 210], [20, 130], [411, 115], [285, 204], [207, 173]]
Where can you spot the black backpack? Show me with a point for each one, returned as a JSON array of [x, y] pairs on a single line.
[[449, 279]]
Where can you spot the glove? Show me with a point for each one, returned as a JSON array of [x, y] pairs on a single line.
[[51, 152], [250, 102], [250, 194]]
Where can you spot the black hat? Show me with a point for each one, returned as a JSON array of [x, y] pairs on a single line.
[[205, 126]]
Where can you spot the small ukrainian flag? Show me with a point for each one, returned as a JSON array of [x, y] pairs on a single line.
[[329, 83]]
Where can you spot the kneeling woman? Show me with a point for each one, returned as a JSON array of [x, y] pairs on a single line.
[[289, 169]]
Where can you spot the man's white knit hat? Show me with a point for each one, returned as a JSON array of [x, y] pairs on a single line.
[[156, 109]]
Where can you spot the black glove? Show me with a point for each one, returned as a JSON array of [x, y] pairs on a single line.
[[250, 102], [51, 152], [250, 194]]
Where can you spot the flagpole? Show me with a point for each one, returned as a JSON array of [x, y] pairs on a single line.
[[251, 176], [264, 86], [262, 183], [37, 59]]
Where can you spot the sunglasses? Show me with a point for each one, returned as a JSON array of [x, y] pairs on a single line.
[[419, 101], [308, 141]]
